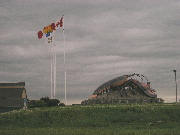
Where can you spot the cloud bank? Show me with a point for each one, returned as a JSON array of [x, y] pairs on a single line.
[[104, 39]]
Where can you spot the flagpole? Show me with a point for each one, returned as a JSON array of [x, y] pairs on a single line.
[[54, 71], [51, 60], [51, 57], [65, 90], [54, 65], [65, 85]]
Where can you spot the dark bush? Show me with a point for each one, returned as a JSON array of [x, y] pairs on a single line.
[[36, 103], [44, 102], [45, 99], [53, 102], [61, 104]]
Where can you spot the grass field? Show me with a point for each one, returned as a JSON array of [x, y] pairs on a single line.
[[149, 119]]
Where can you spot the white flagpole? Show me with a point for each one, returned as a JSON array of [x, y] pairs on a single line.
[[51, 65], [51, 70], [64, 66], [54, 67], [51, 57], [54, 71]]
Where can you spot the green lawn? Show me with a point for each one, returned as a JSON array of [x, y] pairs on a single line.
[[149, 119]]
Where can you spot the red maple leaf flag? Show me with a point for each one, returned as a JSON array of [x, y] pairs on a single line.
[[61, 22]]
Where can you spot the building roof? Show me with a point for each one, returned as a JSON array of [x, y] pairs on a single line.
[[18, 84], [121, 80], [108, 84]]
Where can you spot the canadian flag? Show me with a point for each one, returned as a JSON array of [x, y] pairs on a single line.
[[61, 21]]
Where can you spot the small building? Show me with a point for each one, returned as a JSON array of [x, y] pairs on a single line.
[[13, 95], [132, 88]]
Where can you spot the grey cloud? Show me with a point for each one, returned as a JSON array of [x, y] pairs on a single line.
[[104, 39]]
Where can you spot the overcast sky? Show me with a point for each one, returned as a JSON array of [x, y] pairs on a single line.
[[104, 39]]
